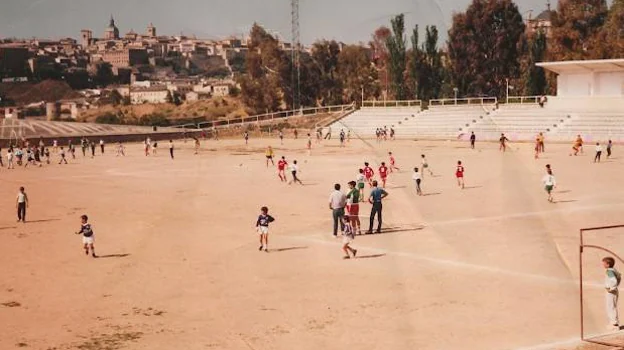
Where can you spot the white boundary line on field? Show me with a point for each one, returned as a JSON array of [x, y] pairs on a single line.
[[447, 262], [463, 265]]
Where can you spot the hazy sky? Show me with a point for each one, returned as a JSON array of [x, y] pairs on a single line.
[[346, 20]]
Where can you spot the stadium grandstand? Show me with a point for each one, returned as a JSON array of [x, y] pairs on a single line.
[[589, 102]]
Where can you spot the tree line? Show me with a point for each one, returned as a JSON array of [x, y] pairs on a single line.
[[488, 47]]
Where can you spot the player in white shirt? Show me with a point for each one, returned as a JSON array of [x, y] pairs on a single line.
[[294, 169], [598, 152], [417, 180], [549, 184]]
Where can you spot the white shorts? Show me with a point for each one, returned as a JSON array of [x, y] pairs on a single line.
[[263, 230], [347, 240], [88, 240]]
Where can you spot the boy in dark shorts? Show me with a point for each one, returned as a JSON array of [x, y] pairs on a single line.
[[269, 156], [262, 226], [294, 169], [63, 159], [88, 237]]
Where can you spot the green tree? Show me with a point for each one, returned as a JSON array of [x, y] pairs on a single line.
[[380, 55], [397, 57], [325, 55], [268, 73], [357, 74], [108, 118], [104, 74], [425, 65], [169, 97], [534, 76], [485, 47], [576, 26], [611, 35], [116, 98]]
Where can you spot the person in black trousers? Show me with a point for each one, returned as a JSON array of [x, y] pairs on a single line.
[[21, 204], [376, 195], [171, 148]]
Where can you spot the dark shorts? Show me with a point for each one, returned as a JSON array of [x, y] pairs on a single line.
[[269, 157]]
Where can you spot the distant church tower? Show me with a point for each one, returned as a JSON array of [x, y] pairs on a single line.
[[112, 32], [86, 36], [151, 31]]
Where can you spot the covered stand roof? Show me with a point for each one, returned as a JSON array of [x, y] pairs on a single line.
[[587, 66]]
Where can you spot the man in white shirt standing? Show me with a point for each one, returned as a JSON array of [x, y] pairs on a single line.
[[337, 203]]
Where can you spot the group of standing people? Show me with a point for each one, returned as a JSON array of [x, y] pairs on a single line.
[[382, 134]]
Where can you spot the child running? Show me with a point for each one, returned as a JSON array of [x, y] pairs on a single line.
[[347, 238], [549, 183], [598, 152], [262, 226], [88, 237], [63, 159], [612, 282], [368, 173], [425, 166], [294, 168], [459, 174], [503, 143], [246, 136], [383, 173], [417, 180], [309, 144], [393, 162], [578, 145], [281, 169]]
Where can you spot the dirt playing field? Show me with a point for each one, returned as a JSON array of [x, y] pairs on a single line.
[[493, 266]]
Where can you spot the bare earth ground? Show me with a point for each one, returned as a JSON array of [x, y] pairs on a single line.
[[494, 266]]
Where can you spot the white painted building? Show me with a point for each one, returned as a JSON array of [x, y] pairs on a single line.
[[155, 94], [589, 84]]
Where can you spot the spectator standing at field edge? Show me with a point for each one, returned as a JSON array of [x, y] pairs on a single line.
[[375, 198], [337, 203]]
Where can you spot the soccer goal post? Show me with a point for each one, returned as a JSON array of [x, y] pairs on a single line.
[[595, 244]]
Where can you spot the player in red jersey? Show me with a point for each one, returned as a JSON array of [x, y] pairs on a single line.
[[368, 173], [459, 174], [392, 162], [383, 173], [281, 169]]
